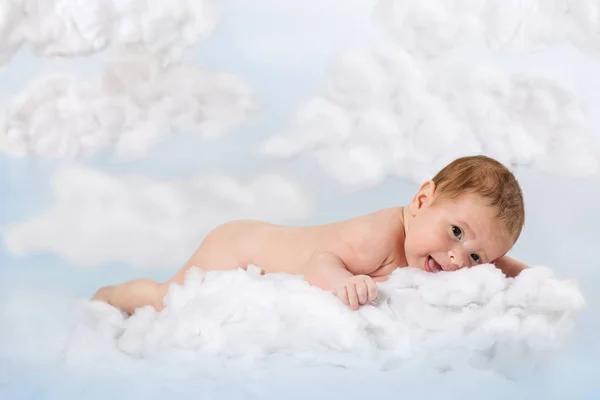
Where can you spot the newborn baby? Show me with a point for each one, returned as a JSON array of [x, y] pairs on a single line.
[[470, 213]]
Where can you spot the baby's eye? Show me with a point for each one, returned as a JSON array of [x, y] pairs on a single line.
[[457, 231], [475, 257]]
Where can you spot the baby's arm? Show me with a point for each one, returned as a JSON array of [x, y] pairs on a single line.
[[509, 266], [327, 271], [344, 267]]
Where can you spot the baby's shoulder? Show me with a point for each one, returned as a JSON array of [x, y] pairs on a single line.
[[367, 242], [385, 220], [380, 228]]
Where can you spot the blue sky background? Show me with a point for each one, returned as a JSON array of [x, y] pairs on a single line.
[[283, 53]]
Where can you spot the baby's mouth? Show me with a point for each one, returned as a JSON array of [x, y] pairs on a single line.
[[431, 265]]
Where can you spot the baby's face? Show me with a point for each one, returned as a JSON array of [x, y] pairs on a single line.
[[449, 234]]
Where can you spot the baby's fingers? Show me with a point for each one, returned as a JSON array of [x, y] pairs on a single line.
[[362, 289], [342, 294], [372, 290], [352, 296]]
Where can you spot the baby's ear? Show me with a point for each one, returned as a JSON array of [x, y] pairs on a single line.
[[423, 196]]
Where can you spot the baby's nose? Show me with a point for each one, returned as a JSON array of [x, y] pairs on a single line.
[[457, 259]]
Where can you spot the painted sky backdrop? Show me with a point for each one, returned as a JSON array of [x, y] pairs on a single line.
[[129, 129]]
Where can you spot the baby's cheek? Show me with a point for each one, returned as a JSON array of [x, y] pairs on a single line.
[[443, 238]]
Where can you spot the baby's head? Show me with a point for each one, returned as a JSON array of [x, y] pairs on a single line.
[[470, 213]]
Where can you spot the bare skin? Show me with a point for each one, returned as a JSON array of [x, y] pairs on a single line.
[[346, 257]]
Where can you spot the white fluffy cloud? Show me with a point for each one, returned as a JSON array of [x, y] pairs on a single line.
[[475, 316], [100, 218], [383, 113], [70, 28], [430, 27], [301, 35], [136, 104]]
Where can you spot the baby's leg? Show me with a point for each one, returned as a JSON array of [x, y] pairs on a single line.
[[220, 250], [133, 294], [217, 252]]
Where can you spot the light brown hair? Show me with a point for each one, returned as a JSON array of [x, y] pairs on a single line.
[[489, 179]]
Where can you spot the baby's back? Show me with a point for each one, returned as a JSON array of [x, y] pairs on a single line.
[[276, 248]]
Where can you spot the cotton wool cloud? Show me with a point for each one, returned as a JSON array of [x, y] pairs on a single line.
[[63, 28], [473, 316], [386, 113], [429, 28], [135, 105], [99, 218]]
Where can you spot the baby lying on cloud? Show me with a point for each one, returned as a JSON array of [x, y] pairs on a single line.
[[475, 316], [457, 299]]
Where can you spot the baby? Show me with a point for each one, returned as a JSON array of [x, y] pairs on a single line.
[[470, 213]]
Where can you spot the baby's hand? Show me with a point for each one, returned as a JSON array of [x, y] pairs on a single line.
[[355, 290]]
